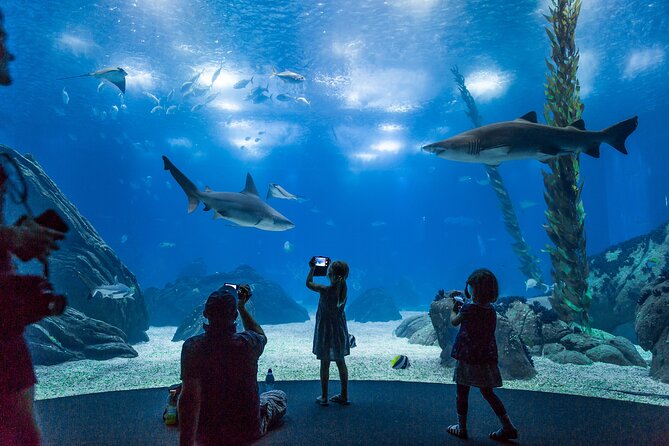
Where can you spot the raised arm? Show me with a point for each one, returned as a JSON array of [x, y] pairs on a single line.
[[310, 279], [244, 293], [456, 315]]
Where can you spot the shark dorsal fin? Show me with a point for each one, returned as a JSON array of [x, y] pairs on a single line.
[[579, 124], [207, 189], [250, 188], [530, 116]]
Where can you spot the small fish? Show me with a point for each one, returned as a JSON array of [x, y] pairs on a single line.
[[167, 245], [152, 97], [247, 138], [199, 91], [172, 109], [526, 204], [462, 179], [243, 83], [242, 147], [287, 246], [211, 97], [261, 98], [156, 109], [261, 133], [186, 86], [216, 74], [196, 77], [124, 107], [66, 97], [196, 107], [650, 263], [533, 283], [284, 97], [303, 100], [351, 341], [256, 140], [113, 111], [124, 238], [289, 76], [483, 182], [170, 95], [196, 290], [101, 85], [400, 362]]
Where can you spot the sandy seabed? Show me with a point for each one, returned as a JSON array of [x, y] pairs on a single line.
[[288, 353]]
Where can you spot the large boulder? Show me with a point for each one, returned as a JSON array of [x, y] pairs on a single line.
[[570, 357], [618, 275], [84, 260], [176, 302], [513, 356], [652, 326], [374, 305], [526, 323], [418, 329], [73, 336]]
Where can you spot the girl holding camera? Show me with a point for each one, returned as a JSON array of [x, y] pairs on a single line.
[[331, 342], [475, 349]]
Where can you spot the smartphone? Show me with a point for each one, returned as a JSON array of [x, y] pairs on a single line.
[[321, 265], [232, 285]]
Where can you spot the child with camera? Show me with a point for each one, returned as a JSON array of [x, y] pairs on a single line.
[[331, 340], [475, 349]]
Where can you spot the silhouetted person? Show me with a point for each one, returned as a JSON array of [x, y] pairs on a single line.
[[331, 341], [219, 402], [27, 240], [475, 349]]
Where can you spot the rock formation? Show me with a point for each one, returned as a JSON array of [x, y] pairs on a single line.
[[84, 260], [652, 325], [73, 336], [176, 302], [374, 305], [418, 329], [618, 275]]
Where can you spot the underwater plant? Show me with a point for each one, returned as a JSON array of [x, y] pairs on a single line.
[[565, 215], [529, 264]]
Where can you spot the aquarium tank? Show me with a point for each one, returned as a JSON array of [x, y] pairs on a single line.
[[189, 144]]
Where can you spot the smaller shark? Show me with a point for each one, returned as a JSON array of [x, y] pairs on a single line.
[[276, 191], [244, 208], [289, 76], [116, 290], [524, 138], [115, 76]]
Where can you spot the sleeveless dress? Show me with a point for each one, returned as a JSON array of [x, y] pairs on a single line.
[[330, 333]]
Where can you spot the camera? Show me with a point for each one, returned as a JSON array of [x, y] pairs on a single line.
[[458, 302], [321, 264], [29, 299]]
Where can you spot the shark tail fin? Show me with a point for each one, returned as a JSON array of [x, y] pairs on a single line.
[[618, 133], [593, 150], [252, 79], [187, 185]]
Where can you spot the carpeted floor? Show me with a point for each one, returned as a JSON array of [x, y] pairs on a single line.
[[381, 413]]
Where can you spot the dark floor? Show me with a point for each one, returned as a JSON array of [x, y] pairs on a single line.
[[381, 413]]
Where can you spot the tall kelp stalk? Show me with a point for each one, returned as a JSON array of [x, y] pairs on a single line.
[[529, 264], [566, 218]]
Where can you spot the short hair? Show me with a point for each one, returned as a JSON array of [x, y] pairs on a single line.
[[484, 284], [221, 306]]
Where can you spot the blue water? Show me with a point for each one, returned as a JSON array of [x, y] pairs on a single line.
[[368, 64]]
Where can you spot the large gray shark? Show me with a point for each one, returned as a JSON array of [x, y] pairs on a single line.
[[114, 75], [524, 138], [244, 208]]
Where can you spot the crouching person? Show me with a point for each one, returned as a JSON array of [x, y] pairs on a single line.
[[219, 402]]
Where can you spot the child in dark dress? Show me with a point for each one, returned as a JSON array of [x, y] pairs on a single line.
[[476, 351], [331, 341]]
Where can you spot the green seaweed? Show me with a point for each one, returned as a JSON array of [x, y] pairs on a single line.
[[565, 215], [529, 264]]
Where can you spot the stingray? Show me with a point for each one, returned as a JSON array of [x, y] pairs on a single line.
[[115, 76]]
